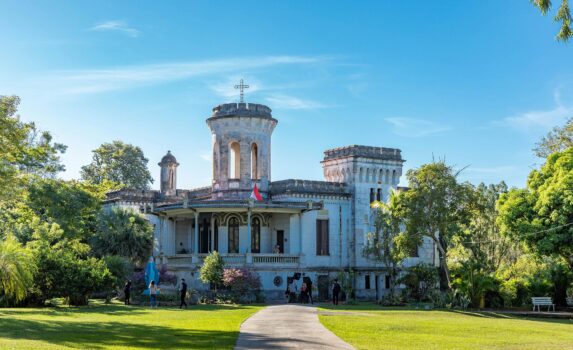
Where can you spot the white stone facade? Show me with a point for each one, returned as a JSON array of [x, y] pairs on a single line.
[[315, 228]]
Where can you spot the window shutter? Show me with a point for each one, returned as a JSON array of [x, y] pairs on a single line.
[[325, 238], [318, 237]]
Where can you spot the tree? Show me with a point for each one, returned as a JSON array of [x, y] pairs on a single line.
[[118, 162], [434, 206], [120, 269], [23, 149], [65, 267], [563, 15], [557, 140], [124, 233], [16, 270], [541, 215], [212, 270], [481, 236], [73, 205], [381, 244]]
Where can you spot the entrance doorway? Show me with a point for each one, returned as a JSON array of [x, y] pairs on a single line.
[[323, 287], [281, 241]]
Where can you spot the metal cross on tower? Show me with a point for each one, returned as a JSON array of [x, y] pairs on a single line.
[[241, 87]]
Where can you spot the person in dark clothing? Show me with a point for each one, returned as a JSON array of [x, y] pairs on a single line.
[[335, 292], [183, 290], [127, 292], [308, 282]]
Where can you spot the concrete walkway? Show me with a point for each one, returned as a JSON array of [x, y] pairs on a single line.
[[288, 326]]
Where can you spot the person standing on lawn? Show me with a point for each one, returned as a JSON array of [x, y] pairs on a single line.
[[127, 292], [335, 292], [183, 290], [153, 294]]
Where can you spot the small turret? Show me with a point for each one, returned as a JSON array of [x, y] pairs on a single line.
[[168, 181]]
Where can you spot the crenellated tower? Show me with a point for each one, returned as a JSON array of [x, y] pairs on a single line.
[[241, 140]]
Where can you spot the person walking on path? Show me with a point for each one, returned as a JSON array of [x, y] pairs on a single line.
[[303, 293], [153, 294], [335, 292], [183, 291], [127, 292]]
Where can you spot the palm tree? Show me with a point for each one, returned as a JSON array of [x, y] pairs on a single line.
[[16, 270]]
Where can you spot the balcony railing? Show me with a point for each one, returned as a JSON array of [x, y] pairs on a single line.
[[236, 259], [275, 259]]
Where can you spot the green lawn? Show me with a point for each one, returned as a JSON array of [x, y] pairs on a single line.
[[120, 327], [373, 327]]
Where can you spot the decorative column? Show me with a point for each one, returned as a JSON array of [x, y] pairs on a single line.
[[196, 237], [212, 247], [249, 238]]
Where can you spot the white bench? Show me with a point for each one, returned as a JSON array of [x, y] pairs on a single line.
[[545, 301]]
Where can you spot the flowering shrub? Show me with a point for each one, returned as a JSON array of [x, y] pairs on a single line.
[[242, 283]]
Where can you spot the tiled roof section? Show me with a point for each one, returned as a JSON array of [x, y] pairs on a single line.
[[129, 195], [200, 193], [308, 187], [364, 152]]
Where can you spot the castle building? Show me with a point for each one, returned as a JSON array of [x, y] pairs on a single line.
[[312, 228]]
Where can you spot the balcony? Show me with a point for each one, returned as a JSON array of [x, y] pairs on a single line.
[[236, 260]]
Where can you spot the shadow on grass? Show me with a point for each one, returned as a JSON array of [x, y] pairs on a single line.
[[508, 316], [99, 335]]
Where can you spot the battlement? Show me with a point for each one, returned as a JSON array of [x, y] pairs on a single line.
[[364, 152], [308, 187], [241, 109]]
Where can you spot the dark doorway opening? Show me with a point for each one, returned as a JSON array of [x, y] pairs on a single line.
[[323, 287], [281, 241], [204, 237]]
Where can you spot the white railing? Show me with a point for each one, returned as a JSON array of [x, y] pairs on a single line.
[[275, 259], [180, 260], [235, 259]]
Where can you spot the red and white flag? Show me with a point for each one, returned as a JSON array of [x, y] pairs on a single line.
[[256, 195]]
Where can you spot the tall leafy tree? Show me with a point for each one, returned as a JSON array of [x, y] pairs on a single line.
[[17, 269], [558, 139], [73, 205], [118, 162], [541, 215], [562, 16], [434, 206], [23, 149], [124, 233], [381, 244]]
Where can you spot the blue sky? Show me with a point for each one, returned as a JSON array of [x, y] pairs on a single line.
[[474, 82]]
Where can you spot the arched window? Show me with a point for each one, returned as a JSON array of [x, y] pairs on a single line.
[[393, 177], [235, 161], [254, 161], [233, 235], [387, 176], [255, 235]]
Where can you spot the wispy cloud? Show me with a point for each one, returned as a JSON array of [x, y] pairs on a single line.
[[103, 80], [539, 119], [282, 101], [116, 26], [504, 169], [412, 127], [206, 156]]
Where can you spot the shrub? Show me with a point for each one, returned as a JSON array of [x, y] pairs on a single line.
[[242, 283], [419, 281], [212, 270]]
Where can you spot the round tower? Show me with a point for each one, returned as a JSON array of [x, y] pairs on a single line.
[[241, 137], [168, 176]]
